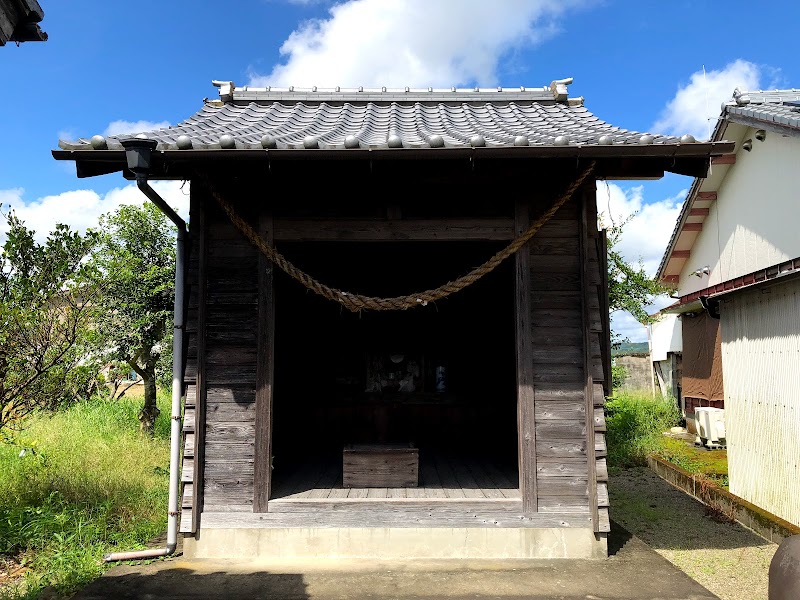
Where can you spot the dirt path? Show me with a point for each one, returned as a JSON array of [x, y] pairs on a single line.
[[729, 560]]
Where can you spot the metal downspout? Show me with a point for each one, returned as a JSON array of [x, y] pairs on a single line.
[[177, 362]]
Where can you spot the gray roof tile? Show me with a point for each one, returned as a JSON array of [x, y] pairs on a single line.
[[769, 106], [372, 116]]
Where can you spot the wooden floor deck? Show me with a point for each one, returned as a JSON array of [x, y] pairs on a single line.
[[440, 477]]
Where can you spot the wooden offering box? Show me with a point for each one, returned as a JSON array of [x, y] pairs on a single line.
[[380, 466]]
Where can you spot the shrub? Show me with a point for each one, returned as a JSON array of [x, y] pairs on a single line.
[[635, 423], [618, 375]]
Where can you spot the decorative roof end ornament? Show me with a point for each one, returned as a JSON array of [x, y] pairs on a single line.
[[225, 89], [559, 89], [740, 97]]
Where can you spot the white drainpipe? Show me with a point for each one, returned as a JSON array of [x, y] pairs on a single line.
[[138, 152]]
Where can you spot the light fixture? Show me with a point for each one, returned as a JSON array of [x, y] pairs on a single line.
[[702, 271], [761, 135], [747, 145]]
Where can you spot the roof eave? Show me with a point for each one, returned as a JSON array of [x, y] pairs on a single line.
[[673, 157], [717, 137]]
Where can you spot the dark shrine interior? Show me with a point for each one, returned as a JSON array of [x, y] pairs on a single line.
[[441, 377]]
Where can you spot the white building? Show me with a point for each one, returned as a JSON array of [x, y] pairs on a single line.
[[734, 259]]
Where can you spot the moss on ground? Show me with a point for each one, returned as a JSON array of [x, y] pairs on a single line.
[[712, 464]]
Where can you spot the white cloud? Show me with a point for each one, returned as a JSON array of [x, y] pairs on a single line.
[[81, 209], [120, 127], [644, 238], [696, 105], [412, 42]]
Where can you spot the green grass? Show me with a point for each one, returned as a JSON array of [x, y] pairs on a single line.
[[636, 422], [77, 484]]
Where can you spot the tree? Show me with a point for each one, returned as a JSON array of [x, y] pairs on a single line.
[[45, 300], [630, 288], [135, 261]]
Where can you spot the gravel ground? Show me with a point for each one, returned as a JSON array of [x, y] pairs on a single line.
[[729, 560]]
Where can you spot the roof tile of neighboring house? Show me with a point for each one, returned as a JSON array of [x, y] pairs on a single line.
[[781, 107]]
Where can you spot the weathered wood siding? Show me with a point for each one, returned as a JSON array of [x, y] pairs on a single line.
[[567, 295], [565, 419], [230, 363]]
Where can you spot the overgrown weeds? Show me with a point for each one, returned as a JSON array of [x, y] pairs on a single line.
[[77, 484], [636, 422]]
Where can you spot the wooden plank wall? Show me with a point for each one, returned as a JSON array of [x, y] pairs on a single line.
[[189, 503], [560, 412], [598, 357], [222, 321], [224, 316], [189, 464], [230, 364], [559, 357]]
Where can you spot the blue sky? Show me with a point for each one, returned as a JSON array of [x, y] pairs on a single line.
[[108, 64]]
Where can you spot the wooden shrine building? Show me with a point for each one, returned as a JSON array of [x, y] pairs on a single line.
[[335, 408]]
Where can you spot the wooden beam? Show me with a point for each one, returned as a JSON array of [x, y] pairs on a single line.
[[410, 230], [586, 289], [698, 212], [446, 516], [672, 279], [692, 227], [265, 369], [605, 315], [725, 159], [707, 196], [681, 253], [200, 200], [524, 336]]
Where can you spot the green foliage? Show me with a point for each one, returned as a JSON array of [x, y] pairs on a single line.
[[45, 299], [629, 287], [618, 375], [77, 484], [135, 263], [136, 260], [630, 348], [636, 423]]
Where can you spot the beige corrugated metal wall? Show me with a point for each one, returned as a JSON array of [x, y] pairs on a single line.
[[761, 362]]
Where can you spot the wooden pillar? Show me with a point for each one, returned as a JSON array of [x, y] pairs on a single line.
[[587, 222], [199, 198], [265, 370], [526, 426]]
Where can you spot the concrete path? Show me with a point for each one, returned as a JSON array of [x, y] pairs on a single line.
[[633, 572]]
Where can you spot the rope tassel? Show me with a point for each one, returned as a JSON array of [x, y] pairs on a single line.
[[358, 302]]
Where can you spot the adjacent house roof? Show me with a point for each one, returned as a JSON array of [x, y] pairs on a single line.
[[292, 122], [773, 110], [19, 21], [779, 109]]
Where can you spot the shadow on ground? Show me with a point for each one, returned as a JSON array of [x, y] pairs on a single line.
[[633, 572], [667, 518], [725, 557]]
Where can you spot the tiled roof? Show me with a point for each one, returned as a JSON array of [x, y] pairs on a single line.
[[781, 107], [255, 118]]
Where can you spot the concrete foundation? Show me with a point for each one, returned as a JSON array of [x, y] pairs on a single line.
[[396, 543]]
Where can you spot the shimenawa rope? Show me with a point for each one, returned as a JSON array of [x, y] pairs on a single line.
[[358, 302]]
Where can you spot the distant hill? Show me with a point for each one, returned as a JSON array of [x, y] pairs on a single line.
[[631, 348]]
